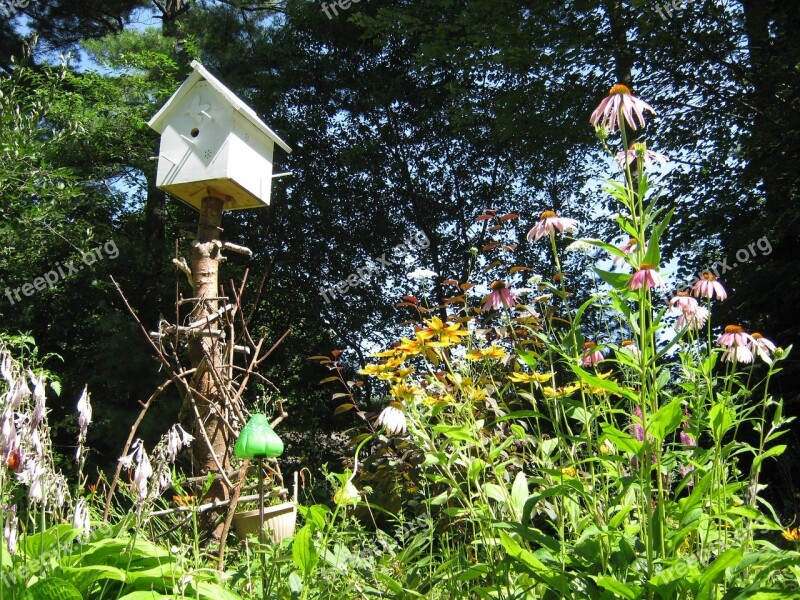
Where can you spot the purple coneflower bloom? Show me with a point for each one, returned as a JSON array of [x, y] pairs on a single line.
[[737, 344], [620, 100], [637, 151], [708, 287], [762, 347], [591, 355], [646, 277], [548, 223], [500, 296]]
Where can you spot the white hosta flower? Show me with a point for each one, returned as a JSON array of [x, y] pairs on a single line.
[[177, 438], [60, 490], [423, 274], [20, 392], [10, 529], [81, 518], [143, 470], [393, 419], [38, 400], [5, 369], [8, 432], [31, 476], [84, 414]]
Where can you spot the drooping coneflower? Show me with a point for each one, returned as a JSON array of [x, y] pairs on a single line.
[[647, 277], [629, 348], [639, 151], [500, 296], [620, 101], [393, 420], [550, 222], [628, 247], [737, 344], [708, 287], [763, 347], [592, 355]]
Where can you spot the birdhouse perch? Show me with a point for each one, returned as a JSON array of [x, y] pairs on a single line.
[[213, 144]]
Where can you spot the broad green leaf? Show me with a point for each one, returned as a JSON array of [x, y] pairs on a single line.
[[604, 384], [519, 493], [623, 441], [304, 553], [619, 281], [774, 451], [721, 418], [666, 420], [85, 576], [620, 589], [715, 572], [455, 432], [52, 588]]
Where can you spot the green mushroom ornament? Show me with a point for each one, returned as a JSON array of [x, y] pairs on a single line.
[[258, 440]]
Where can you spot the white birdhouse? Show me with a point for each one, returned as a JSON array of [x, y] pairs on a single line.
[[213, 144]]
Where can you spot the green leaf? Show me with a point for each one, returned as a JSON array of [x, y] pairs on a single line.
[[85, 576], [721, 418], [619, 588], [619, 281], [774, 451], [604, 384], [455, 432], [666, 420], [623, 441], [519, 493], [51, 588], [715, 572], [653, 255], [304, 553]]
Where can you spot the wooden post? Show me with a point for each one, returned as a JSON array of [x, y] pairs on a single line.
[[205, 352]]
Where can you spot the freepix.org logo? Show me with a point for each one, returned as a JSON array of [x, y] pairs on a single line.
[[8, 8], [59, 272]]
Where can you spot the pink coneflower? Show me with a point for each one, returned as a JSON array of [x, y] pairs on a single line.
[[499, 297], [591, 355], [693, 319], [629, 348], [639, 151], [620, 100], [762, 347], [628, 247], [646, 277], [684, 302], [549, 222], [737, 344], [708, 287]]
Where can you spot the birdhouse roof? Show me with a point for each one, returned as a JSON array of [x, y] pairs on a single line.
[[159, 120]]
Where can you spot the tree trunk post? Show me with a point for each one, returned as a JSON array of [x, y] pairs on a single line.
[[205, 352]]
